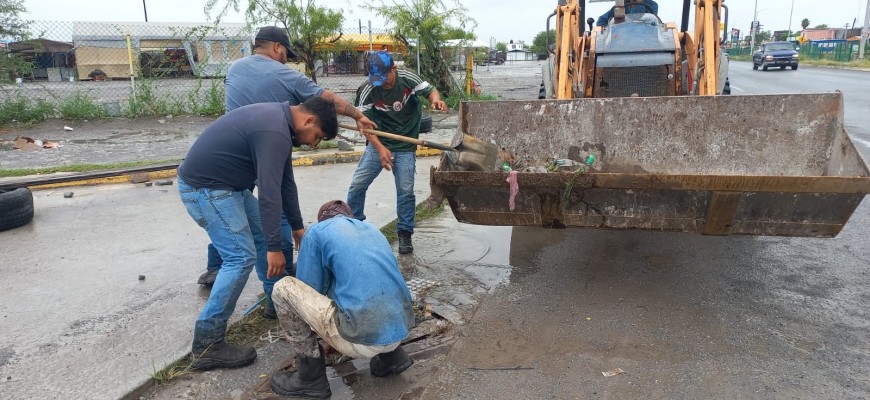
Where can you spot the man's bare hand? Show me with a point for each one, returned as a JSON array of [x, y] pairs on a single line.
[[386, 159], [297, 238], [277, 263], [439, 105], [363, 123]]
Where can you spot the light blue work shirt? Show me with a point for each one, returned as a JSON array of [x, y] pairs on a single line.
[[352, 263]]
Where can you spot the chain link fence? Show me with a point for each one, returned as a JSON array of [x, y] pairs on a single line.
[[94, 69]]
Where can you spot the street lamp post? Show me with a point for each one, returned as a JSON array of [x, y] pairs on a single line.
[[145, 9], [790, 14], [865, 31], [753, 28]]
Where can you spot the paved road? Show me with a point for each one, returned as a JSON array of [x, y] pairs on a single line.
[[683, 315]]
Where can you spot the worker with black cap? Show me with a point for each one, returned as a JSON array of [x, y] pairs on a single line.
[[263, 78]]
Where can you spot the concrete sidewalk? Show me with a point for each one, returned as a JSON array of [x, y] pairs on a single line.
[[77, 320]]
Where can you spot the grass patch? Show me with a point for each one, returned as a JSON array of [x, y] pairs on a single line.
[[24, 110], [247, 331], [865, 63], [81, 106], [171, 371], [212, 104], [5, 173], [421, 213]]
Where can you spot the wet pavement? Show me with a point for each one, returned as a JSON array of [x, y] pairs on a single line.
[[76, 320]]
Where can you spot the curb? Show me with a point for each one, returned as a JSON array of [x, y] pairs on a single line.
[[303, 161]]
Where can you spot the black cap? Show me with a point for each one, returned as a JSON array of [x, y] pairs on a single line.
[[277, 35]]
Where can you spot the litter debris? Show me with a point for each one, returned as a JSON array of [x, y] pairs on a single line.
[[140, 177], [141, 277], [612, 372], [51, 145], [166, 182], [68, 129], [427, 311], [68, 195], [515, 188], [162, 121], [149, 184], [344, 146], [25, 143]]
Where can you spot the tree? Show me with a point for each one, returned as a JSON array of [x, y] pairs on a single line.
[[11, 25], [821, 26], [539, 45], [763, 36], [307, 24], [501, 46], [431, 21], [805, 23], [458, 33]]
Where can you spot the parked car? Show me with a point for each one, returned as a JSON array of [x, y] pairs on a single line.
[[775, 54]]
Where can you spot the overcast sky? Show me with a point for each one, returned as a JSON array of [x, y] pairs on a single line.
[[499, 19]]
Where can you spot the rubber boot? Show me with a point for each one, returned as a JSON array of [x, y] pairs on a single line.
[[405, 245], [223, 355], [207, 278], [309, 380], [392, 363]]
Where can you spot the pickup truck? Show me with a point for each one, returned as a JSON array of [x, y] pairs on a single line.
[[776, 54]]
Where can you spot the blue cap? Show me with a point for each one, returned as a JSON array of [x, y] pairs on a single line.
[[378, 66]]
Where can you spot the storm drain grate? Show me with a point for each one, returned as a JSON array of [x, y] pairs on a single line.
[[418, 286]]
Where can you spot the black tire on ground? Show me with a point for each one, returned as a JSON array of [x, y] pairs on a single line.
[[794, 67], [765, 68], [782, 67], [16, 208], [755, 66], [426, 123]]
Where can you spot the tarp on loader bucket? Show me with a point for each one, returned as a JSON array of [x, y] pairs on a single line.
[[751, 165]]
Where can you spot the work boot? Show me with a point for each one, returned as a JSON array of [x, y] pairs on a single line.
[[269, 312], [392, 363], [223, 355], [309, 380], [405, 246], [208, 277]]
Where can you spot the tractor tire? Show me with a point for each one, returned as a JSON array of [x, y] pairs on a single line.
[[16, 208], [426, 123]]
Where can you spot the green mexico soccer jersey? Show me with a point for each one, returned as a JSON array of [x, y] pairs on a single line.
[[397, 110]]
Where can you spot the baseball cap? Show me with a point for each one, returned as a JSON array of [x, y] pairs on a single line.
[[332, 208], [277, 35], [378, 66]]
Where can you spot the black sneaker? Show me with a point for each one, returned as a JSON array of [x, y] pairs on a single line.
[[208, 277], [405, 245], [224, 355], [392, 363]]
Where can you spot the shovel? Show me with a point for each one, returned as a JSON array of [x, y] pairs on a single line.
[[465, 151]]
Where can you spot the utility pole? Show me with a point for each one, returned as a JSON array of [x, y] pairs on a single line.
[[790, 14], [754, 28], [145, 9], [864, 31]]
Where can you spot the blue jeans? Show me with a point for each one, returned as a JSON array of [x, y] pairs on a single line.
[[404, 167], [232, 221], [214, 258]]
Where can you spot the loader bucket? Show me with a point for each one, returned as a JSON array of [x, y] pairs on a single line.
[[752, 165]]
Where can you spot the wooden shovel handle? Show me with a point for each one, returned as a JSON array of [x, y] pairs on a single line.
[[400, 138]]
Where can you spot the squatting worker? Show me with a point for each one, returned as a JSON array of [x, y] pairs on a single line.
[[391, 99], [251, 143], [353, 297], [264, 78]]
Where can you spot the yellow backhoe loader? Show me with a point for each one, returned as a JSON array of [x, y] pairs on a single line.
[[630, 133]]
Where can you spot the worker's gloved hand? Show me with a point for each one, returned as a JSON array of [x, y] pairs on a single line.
[[297, 238], [386, 159], [277, 263]]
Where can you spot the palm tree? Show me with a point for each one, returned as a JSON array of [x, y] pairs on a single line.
[[805, 23]]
